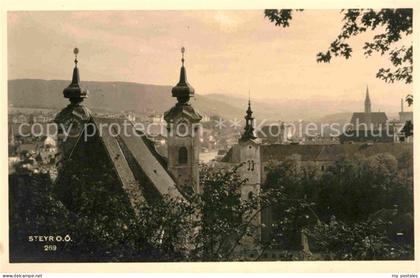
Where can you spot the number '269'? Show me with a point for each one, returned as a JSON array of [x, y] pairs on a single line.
[[50, 247]]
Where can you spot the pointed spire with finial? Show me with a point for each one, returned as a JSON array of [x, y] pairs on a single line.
[[74, 92], [183, 90], [368, 105], [249, 122]]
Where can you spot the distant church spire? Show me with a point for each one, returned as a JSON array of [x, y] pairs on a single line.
[[74, 92], [183, 90], [249, 124], [368, 105]]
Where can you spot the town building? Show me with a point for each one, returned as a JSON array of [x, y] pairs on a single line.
[[257, 159]]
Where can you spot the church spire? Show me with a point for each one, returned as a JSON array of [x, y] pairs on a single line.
[[183, 90], [74, 92], [368, 105], [249, 124]]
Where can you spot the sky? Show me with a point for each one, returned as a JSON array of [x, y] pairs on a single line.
[[227, 51]]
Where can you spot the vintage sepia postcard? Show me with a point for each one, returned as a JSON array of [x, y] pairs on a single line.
[[272, 137]]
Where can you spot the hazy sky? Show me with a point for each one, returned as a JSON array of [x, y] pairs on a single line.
[[226, 52]]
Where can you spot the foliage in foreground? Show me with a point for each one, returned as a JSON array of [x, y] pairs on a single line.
[[390, 27], [358, 209]]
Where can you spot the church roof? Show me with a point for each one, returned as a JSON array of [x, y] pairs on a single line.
[[134, 159], [121, 166], [71, 110], [374, 118], [183, 110]]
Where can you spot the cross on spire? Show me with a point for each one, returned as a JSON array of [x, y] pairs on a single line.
[[75, 51], [182, 51]]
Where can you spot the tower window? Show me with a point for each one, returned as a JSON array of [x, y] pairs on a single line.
[[182, 155], [251, 165]]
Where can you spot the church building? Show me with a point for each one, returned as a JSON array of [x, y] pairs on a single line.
[[369, 120], [368, 126], [130, 165]]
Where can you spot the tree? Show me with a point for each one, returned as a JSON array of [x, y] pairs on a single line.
[[227, 227], [358, 208], [215, 225], [366, 240], [34, 211], [390, 25], [292, 211]]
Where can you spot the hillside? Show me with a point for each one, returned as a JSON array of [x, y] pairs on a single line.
[[114, 97], [146, 98]]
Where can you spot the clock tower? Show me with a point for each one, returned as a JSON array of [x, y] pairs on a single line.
[[183, 135]]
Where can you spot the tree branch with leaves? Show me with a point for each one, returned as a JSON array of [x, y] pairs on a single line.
[[390, 26]]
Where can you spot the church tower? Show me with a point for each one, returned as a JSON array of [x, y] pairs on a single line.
[[248, 149], [368, 105], [183, 135], [71, 120], [249, 153]]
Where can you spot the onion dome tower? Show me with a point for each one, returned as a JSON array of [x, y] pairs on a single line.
[[183, 135], [249, 125], [183, 91], [70, 121], [74, 92]]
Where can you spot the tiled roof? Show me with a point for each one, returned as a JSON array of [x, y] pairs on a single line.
[[140, 150], [126, 176], [141, 170], [376, 118]]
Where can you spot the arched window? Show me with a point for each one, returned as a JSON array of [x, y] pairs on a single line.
[[182, 155]]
